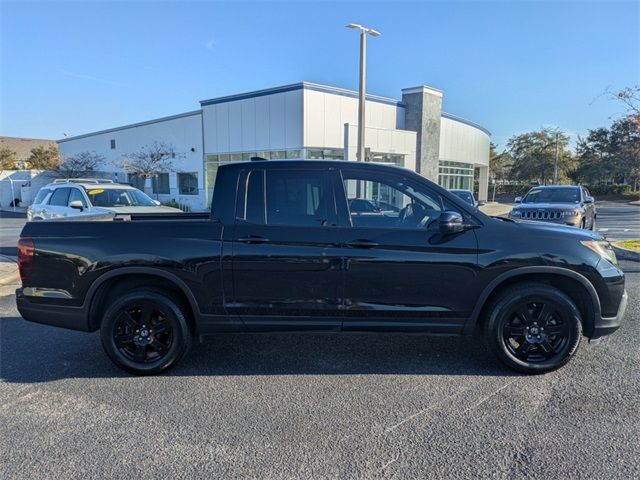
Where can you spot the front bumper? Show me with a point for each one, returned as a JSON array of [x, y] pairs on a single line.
[[607, 325], [571, 221], [74, 318]]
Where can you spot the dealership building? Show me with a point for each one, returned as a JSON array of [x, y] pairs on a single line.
[[298, 121]]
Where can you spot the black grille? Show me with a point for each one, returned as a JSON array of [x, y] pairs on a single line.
[[542, 215]]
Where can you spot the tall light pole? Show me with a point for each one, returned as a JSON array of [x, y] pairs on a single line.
[[364, 31], [555, 166]]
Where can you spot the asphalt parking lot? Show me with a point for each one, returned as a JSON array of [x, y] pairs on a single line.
[[316, 406]]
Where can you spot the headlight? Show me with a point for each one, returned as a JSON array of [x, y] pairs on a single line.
[[602, 248], [571, 213], [515, 213]]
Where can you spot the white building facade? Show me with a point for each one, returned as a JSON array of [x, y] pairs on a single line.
[[298, 121]]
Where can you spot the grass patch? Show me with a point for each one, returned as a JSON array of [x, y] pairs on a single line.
[[630, 245]]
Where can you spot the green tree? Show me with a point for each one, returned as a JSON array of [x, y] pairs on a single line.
[[8, 159], [611, 155], [534, 155], [499, 164], [44, 158]]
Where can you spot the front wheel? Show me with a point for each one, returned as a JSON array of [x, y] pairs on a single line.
[[145, 332], [533, 328]]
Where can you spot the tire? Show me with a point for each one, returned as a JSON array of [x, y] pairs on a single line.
[[593, 224], [519, 325], [145, 332]]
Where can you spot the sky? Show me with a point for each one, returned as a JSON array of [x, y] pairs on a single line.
[[69, 68]]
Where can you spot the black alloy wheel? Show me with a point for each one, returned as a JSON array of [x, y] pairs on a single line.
[[534, 328], [145, 332]]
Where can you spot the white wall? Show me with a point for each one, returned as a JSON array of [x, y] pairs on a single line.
[[383, 140], [268, 122], [460, 142], [325, 115], [184, 133]]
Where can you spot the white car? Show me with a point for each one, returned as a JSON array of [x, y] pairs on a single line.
[[91, 197]]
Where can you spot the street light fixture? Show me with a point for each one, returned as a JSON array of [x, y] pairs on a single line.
[[364, 31]]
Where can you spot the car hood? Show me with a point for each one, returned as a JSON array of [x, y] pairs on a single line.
[[555, 229], [157, 209], [547, 206]]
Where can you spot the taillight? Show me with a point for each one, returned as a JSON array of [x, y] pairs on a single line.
[[26, 251]]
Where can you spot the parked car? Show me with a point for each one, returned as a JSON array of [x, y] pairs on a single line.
[[281, 251], [564, 204], [91, 197], [467, 196]]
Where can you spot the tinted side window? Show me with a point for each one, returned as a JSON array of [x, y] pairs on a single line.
[[60, 197], [297, 198], [42, 194], [77, 195]]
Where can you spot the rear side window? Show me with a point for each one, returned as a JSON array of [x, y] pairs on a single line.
[[42, 194], [286, 197], [298, 198], [60, 197]]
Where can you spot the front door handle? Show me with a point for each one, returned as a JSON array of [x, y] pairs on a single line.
[[360, 243], [253, 239]]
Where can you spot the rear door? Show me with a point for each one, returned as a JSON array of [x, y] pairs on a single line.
[[402, 274], [285, 259]]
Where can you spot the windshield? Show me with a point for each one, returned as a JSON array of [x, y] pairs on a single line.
[[552, 195], [119, 197], [466, 196]]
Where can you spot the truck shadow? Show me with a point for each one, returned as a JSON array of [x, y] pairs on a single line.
[[36, 353]]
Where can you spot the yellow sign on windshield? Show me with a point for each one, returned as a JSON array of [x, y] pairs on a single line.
[[95, 191]]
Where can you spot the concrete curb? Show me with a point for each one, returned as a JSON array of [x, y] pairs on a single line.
[[624, 254]]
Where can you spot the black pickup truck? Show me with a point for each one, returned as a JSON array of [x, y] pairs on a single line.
[[321, 246]]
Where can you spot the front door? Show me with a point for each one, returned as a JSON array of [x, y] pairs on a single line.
[[286, 266], [401, 272]]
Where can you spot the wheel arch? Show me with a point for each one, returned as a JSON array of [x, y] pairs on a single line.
[[124, 279], [572, 283]]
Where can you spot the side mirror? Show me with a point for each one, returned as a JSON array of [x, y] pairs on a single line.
[[156, 202], [77, 204], [480, 203], [451, 222], [588, 199], [518, 200]]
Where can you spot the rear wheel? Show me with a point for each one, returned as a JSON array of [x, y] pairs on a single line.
[[533, 328], [145, 332]]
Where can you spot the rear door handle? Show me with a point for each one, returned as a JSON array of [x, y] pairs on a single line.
[[361, 244], [253, 239]]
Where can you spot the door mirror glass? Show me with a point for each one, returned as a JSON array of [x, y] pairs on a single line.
[[481, 203], [588, 199], [77, 204], [156, 202], [451, 222], [518, 200]]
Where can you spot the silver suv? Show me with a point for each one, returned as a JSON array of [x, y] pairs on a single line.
[[91, 197], [565, 204]]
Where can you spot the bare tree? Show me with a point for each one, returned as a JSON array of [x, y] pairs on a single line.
[[79, 165], [150, 160]]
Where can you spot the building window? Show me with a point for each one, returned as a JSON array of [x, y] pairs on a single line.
[[456, 175], [188, 183], [325, 154], [135, 181], [113, 144], [160, 184]]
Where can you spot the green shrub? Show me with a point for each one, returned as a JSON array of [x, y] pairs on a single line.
[[613, 189]]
